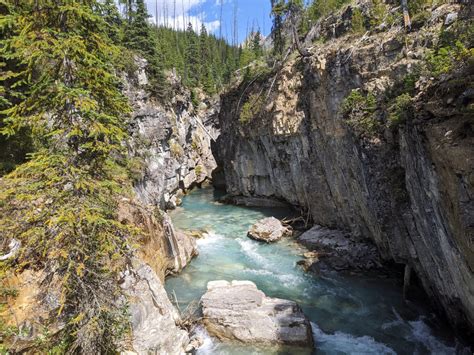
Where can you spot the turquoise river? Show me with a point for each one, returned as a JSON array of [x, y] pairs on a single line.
[[349, 314]]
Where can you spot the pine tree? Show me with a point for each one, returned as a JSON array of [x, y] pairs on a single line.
[[61, 204]]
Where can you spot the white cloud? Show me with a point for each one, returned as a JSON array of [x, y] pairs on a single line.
[[167, 10]]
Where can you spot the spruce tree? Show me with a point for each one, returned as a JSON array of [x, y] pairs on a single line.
[[139, 37], [278, 7], [256, 45], [192, 57], [61, 204]]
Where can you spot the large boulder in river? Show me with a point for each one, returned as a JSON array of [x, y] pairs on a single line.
[[237, 310], [268, 230]]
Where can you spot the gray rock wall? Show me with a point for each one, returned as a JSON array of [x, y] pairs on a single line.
[[410, 190], [170, 140]]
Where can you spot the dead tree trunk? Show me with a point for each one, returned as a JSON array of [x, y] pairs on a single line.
[[406, 15]]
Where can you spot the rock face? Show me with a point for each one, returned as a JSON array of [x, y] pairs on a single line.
[[171, 141], [409, 189], [166, 250], [153, 317], [340, 250], [237, 310], [268, 230]]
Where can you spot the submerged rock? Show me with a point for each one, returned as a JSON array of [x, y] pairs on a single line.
[[237, 310], [339, 250], [268, 230], [310, 258]]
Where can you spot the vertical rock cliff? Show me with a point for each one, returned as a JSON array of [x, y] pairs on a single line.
[[170, 140], [408, 187]]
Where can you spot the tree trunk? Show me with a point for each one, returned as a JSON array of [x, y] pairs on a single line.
[[406, 14]]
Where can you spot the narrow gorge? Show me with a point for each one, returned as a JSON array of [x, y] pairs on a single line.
[[312, 199]]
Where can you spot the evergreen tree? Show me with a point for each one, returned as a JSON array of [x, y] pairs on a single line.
[[192, 57], [206, 75], [278, 7], [112, 17], [256, 45], [61, 204], [139, 37]]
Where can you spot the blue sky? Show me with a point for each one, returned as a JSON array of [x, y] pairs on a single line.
[[250, 13]]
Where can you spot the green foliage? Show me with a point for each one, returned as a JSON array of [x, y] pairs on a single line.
[[192, 73], [212, 59], [417, 6], [444, 59], [61, 204], [359, 111], [401, 110], [378, 12], [357, 22], [251, 108], [199, 170], [194, 98], [320, 9], [256, 46], [175, 148], [278, 8], [139, 37]]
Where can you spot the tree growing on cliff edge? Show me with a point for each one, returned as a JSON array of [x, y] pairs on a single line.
[[61, 204], [192, 57], [277, 7], [140, 37]]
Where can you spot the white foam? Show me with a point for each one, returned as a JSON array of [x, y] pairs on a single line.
[[348, 344], [209, 238], [208, 346], [421, 333], [286, 279], [250, 249]]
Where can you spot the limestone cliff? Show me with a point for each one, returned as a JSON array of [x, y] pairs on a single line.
[[170, 140], [409, 187]]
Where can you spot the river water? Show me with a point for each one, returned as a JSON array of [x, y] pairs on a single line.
[[349, 314]]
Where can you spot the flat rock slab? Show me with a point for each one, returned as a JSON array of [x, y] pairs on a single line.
[[237, 310], [268, 230]]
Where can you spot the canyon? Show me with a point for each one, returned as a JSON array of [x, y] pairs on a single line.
[[377, 194]]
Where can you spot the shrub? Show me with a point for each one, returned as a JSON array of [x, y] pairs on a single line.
[[319, 9], [400, 111], [360, 112], [198, 170], [377, 13], [175, 149], [358, 25], [251, 108], [444, 59], [195, 143]]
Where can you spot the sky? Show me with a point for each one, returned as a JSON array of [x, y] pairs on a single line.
[[250, 14]]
